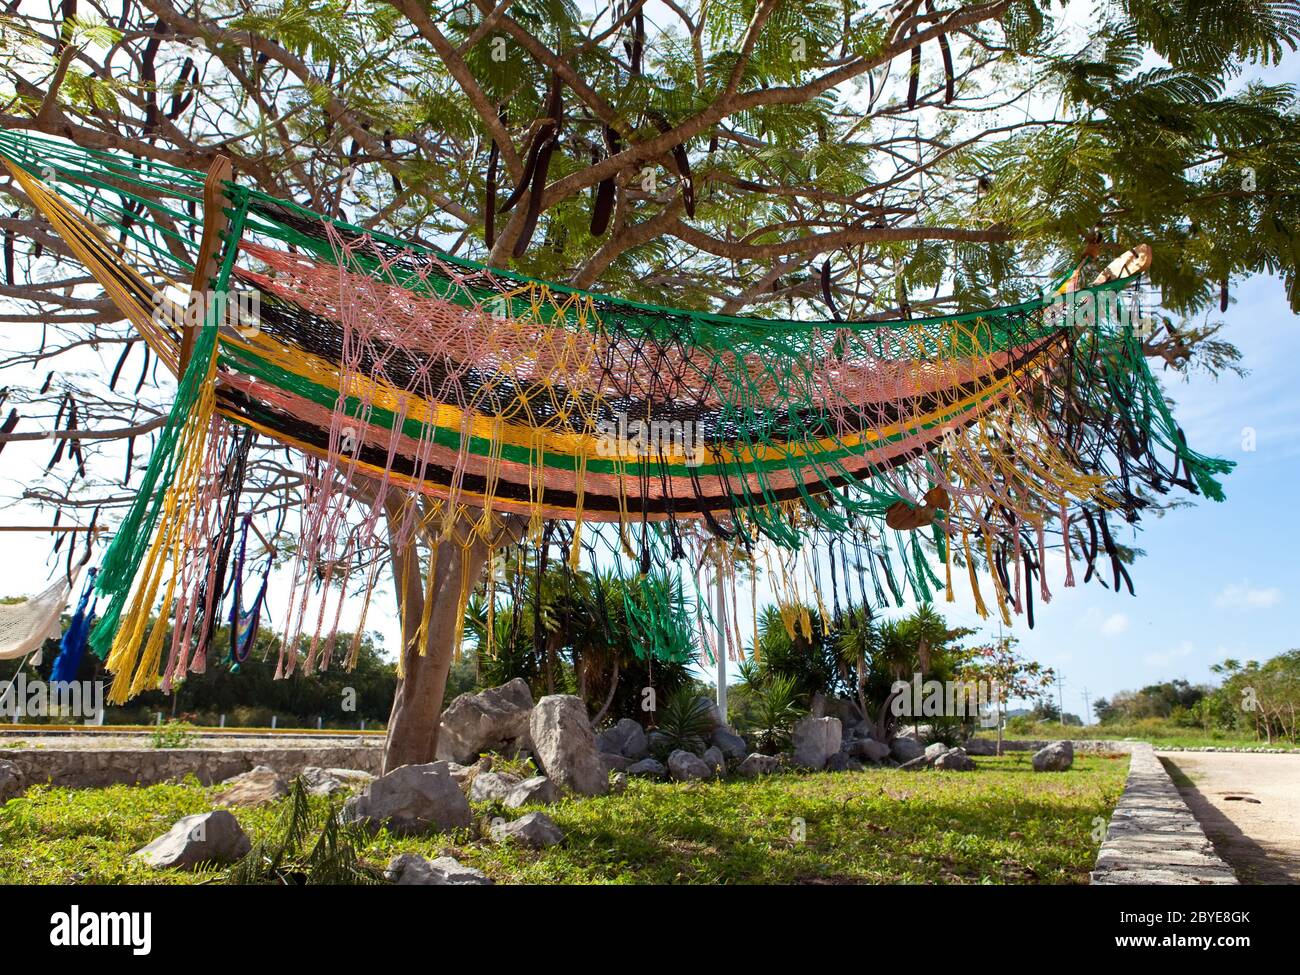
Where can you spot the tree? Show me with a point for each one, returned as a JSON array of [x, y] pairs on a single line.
[[1010, 676], [885, 159]]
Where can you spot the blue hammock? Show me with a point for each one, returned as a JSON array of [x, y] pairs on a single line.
[[73, 645], [244, 624]]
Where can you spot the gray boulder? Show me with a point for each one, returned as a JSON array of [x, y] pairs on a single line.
[[565, 745], [534, 829], [618, 783], [756, 764], [657, 743], [842, 762], [535, 791], [869, 750], [410, 800], [492, 720], [714, 715], [906, 749], [11, 781], [954, 760], [715, 760], [320, 783], [685, 767], [1056, 757], [492, 786], [626, 738], [648, 767], [614, 763], [815, 741], [730, 744], [354, 777], [934, 751], [257, 787], [214, 837], [411, 869]]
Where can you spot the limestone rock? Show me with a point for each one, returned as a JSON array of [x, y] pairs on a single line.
[[492, 786], [214, 837], [869, 750], [906, 749], [618, 783], [534, 829], [934, 751], [815, 741], [254, 788], [1056, 757], [614, 763], [320, 783], [758, 764], [730, 744], [954, 760], [647, 767], [715, 760], [685, 767], [410, 800], [565, 745], [535, 791], [492, 720], [626, 738], [840, 762], [411, 869]]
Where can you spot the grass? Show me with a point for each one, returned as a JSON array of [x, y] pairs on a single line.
[[1001, 824], [1157, 731]]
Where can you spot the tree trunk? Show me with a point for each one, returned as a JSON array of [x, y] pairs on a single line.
[[417, 705]]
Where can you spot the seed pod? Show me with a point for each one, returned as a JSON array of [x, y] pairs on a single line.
[[915, 83], [490, 197], [826, 291]]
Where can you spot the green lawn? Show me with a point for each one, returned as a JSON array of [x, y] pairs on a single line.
[[1155, 730], [1001, 824]]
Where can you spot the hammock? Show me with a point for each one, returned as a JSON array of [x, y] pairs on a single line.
[[244, 623], [25, 626], [73, 646], [394, 367]]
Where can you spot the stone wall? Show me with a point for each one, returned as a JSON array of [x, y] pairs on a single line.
[[86, 768], [989, 746], [1153, 837]]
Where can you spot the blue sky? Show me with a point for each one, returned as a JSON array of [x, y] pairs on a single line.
[[1218, 580]]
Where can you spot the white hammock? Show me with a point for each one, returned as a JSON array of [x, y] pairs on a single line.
[[25, 626]]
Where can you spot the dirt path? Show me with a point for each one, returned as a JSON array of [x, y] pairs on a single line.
[[1249, 806]]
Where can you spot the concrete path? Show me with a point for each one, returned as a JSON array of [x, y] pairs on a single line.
[[1249, 807]]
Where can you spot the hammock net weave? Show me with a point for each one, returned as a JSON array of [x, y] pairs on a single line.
[[896, 454]]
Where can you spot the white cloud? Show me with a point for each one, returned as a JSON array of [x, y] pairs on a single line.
[[1243, 597], [1114, 625], [1184, 649]]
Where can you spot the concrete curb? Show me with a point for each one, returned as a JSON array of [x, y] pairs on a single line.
[[1153, 837]]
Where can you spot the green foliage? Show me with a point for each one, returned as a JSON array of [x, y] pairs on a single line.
[[589, 633], [173, 734], [775, 710], [685, 722], [1004, 824], [290, 855]]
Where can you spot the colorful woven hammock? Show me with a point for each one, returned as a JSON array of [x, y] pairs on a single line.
[[395, 367]]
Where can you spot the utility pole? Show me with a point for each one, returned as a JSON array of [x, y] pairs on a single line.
[[1060, 700], [1087, 705]]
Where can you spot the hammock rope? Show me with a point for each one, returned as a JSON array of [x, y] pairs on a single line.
[[657, 433]]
